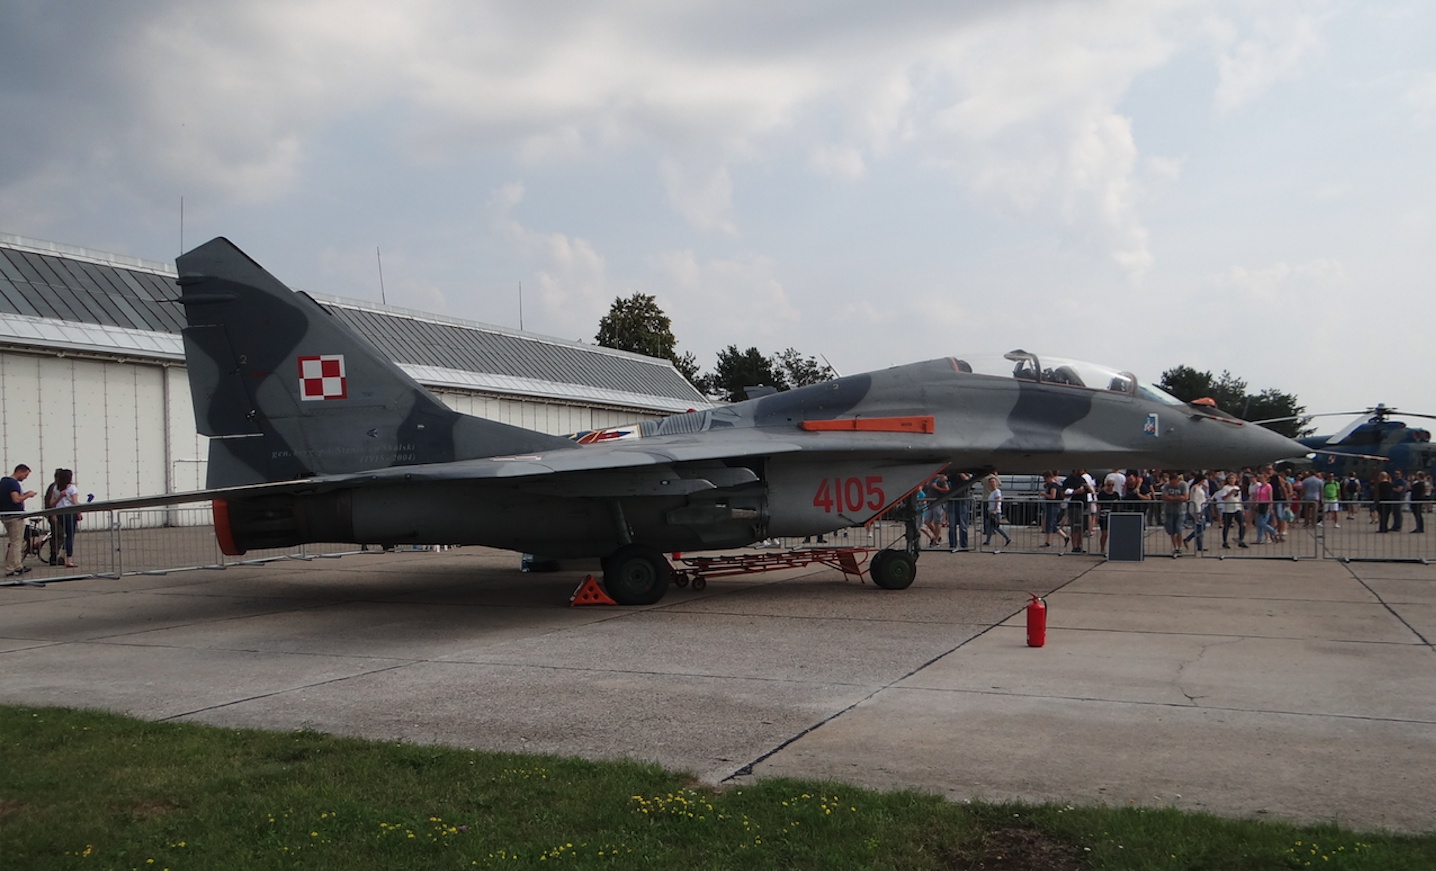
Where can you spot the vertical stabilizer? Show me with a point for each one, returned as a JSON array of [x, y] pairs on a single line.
[[286, 390]]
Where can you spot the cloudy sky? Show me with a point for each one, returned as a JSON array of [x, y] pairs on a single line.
[[1227, 185]]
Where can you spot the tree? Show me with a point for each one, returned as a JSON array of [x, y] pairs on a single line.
[[1187, 384], [1273, 404], [637, 324], [737, 370], [800, 371], [1230, 394], [687, 366]]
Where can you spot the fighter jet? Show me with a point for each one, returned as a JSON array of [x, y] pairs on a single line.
[[316, 436]]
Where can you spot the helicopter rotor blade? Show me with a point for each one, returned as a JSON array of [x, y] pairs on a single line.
[[1371, 412], [1299, 417], [1379, 411]]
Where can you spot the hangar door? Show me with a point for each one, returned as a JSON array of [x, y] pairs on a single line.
[[124, 427]]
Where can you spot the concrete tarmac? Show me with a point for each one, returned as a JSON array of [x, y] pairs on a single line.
[[1303, 691]]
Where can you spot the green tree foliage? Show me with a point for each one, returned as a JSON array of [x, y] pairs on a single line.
[[739, 369], [800, 371], [1187, 384], [687, 366], [1273, 405], [1230, 394], [637, 324]]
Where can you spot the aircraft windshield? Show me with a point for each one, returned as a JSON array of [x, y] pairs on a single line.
[[1026, 366]]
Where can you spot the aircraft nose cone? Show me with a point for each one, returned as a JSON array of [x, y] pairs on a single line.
[[1275, 446], [1226, 445]]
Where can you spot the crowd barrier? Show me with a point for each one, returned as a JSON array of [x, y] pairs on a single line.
[[1309, 534], [1303, 532], [150, 541], [159, 541]]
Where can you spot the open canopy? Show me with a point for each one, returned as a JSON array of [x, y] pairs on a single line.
[[1026, 366]]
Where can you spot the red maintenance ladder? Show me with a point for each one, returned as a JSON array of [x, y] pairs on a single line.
[[848, 560]]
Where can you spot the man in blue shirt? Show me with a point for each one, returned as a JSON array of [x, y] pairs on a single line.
[[12, 506]]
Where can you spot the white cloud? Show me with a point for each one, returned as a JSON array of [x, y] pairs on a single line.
[[703, 195], [1032, 124], [1016, 104], [1418, 95], [972, 153], [570, 274], [1284, 283], [845, 163], [1272, 47], [723, 301]]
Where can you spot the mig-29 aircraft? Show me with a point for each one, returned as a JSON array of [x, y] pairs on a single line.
[[315, 436]]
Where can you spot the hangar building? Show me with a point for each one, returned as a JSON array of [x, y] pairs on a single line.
[[92, 374]]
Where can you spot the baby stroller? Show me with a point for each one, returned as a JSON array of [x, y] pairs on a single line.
[[37, 535]]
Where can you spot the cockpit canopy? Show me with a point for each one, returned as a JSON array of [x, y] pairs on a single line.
[[1026, 366]]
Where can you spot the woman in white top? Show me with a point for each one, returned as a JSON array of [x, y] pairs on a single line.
[[1197, 508], [67, 495], [1230, 500], [993, 519]]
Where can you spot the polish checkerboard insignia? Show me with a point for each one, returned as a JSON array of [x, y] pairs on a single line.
[[322, 377]]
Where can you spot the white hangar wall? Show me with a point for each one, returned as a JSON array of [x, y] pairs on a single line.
[[554, 418], [126, 427]]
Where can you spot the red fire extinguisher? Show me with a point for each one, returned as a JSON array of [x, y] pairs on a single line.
[[1036, 621]]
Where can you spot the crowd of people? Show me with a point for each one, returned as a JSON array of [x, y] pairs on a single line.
[[1265, 501]]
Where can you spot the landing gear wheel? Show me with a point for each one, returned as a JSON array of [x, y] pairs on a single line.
[[893, 570], [636, 575]]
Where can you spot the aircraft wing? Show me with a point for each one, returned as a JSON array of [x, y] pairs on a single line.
[[632, 455], [616, 455], [180, 498]]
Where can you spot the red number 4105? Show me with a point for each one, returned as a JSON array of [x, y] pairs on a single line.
[[849, 494]]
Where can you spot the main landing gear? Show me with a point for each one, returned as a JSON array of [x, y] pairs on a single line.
[[636, 575], [895, 569], [639, 575]]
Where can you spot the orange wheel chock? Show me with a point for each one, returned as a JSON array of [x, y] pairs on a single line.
[[590, 593]]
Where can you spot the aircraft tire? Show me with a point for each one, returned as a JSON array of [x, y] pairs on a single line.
[[893, 570], [636, 575]]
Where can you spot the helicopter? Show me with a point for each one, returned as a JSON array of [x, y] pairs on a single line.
[[1372, 443]]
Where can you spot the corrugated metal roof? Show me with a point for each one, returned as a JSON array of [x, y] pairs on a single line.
[[55, 295]]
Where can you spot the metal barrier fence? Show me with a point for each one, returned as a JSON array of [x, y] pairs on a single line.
[[162, 540], [1307, 534], [151, 541]]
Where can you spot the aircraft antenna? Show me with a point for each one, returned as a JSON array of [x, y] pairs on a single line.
[[380, 260], [521, 306], [181, 223], [830, 365]]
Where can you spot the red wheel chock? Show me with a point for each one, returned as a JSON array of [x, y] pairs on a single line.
[[590, 593]]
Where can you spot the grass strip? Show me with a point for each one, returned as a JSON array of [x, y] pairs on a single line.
[[88, 789]]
